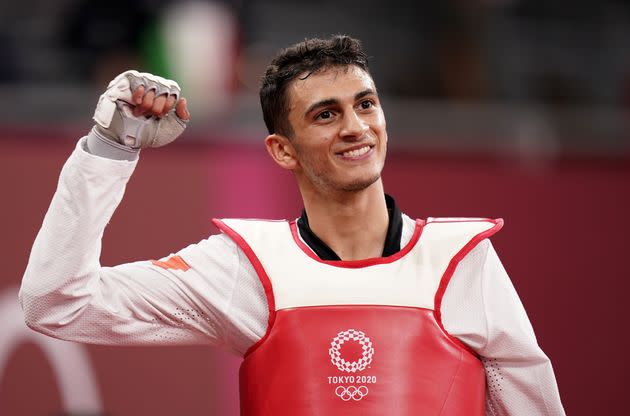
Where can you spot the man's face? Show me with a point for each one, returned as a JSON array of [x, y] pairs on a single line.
[[339, 132]]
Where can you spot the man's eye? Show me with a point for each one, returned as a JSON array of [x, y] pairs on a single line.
[[366, 104], [325, 115]]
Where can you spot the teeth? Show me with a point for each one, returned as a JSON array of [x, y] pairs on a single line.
[[357, 152]]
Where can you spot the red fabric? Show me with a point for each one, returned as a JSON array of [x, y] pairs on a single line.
[[411, 366]]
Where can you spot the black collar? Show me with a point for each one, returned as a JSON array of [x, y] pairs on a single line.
[[392, 239]]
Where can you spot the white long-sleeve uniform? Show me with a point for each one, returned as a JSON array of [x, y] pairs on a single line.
[[219, 300]]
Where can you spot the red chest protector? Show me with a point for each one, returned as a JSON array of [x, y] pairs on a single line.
[[359, 337]]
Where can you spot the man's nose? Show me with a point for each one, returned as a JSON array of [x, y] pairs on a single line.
[[354, 127]]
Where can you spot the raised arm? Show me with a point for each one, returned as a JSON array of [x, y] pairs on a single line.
[[65, 293]]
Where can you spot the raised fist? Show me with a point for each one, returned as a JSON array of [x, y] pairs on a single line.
[[141, 110]]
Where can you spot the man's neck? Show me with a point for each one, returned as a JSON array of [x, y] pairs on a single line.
[[352, 224]]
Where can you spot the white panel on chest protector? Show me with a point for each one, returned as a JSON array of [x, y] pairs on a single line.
[[299, 280]]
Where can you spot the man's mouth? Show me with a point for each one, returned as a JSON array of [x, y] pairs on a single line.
[[354, 153]]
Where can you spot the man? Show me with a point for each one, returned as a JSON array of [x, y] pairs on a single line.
[[354, 308]]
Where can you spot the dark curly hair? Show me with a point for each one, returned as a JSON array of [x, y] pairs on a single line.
[[309, 56]]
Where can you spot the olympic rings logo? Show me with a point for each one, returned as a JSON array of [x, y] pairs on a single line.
[[351, 366], [351, 392]]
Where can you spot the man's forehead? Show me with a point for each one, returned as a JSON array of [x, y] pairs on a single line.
[[332, 82]]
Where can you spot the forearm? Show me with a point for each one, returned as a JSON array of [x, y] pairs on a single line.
[[64, 260], [482, 309], [520, 376], [67, 294]]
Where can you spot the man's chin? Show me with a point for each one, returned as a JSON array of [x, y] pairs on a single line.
[[360, 185]]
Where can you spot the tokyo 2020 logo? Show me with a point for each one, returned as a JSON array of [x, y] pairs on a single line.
[[351, 366], [350, 387]]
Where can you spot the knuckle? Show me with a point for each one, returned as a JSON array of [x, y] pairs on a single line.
[[175, 92], [131, 72], [151, 86], [156, 83], [160, 80], [132, 75], [161, 90]]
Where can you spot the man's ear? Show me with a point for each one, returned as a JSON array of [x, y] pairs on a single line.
[[281, 151]]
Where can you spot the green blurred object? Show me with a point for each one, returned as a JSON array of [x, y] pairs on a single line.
[[152, 50]]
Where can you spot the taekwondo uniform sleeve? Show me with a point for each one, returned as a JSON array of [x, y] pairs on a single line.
[[483, 310], [185, 298]]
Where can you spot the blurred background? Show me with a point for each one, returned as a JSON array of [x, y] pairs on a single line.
[[496, 108]]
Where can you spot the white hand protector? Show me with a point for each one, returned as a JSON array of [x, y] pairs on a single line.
[[114, 112]]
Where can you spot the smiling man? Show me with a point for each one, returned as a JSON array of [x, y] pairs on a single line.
[[334, 140], [355, 308]]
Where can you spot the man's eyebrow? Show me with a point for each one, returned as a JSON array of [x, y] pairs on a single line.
[[322, 103], [364, 93], [332, 101]]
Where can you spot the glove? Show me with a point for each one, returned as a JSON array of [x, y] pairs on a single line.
[[114, 112]]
